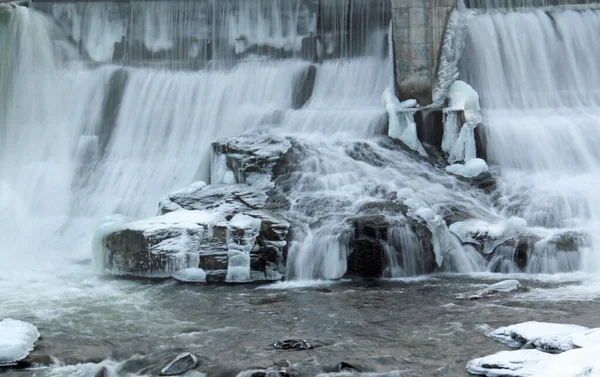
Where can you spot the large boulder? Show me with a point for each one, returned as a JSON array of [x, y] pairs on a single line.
[[230, 231], [390, 246]]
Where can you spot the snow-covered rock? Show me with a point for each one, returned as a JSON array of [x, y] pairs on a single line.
[[581, 362], [527, 332], [469, 169], [487, 236], [251, 158], [561, 350], [17, 339], [182, 363], [505, 286]]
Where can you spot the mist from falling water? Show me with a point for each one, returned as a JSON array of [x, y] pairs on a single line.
[[539, 84]]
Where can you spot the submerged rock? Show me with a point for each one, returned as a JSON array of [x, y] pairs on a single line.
[[272, 372], [505, 286], [181, 364], [293, 344], [347, 367]]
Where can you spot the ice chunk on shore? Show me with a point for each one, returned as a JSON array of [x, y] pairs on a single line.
[[472, 168], [17, 339]]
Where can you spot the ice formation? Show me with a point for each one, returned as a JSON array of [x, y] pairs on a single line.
[[462, 97], [401, 120], [190, 275], [471, 168], [488, 235], [238, 268], [17, 339]]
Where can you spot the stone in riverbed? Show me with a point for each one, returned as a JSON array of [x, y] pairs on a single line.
[[292, 344], [272, 372], [347, 367], [505, 286], [181, 364]]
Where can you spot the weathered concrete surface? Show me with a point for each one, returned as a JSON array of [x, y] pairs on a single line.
[[418, 29]]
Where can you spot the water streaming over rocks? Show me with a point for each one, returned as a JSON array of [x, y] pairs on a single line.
[[541, 109], [112, 107]]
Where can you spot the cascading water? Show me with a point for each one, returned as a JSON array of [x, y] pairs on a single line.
[[539, 83]]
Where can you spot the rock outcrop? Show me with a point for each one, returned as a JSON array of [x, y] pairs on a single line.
[[233, 232], [380, 244]]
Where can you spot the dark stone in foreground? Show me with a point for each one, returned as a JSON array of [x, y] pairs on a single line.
[[347, 367], [181, 364], [272, 372], [293, 344]]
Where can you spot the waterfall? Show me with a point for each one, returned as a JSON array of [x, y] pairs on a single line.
[[539, 84]]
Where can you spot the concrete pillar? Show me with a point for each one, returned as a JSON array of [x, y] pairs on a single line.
[[418, 28]]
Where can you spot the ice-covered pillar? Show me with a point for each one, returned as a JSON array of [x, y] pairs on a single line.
[[418, 29]]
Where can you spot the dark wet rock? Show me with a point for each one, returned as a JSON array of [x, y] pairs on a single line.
[[515, 250], [347, 367], [292, 344], [569, 241], [181, 364], [110, 107], [434, 159], [272, 372], [362, 151], [103, 372], [367, 256], [251, 158], [454, 213], [527, 252], [376, 240], [484, 181], [231, 198], [303, 85], [38, 359], [145, 250], [383, 206]]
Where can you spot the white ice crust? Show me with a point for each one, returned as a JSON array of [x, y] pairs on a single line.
[[16, 340], [560, 350], [471, 168]]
